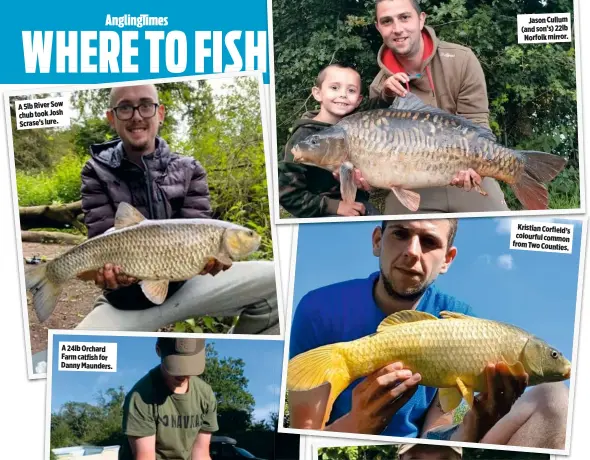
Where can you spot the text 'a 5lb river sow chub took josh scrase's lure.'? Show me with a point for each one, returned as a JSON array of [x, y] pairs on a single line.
[[413, 145], [450, 354], [153, 251]]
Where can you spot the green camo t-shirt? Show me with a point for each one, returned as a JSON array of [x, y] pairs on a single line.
[[152, 409]]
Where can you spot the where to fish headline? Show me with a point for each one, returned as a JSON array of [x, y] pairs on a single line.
[[125, 51]]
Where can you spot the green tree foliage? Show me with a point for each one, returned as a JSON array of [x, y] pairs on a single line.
[[87, 424], [226, 377], [389, 452], [531, 88]]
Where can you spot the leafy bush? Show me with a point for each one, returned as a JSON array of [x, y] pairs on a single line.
[[58, 185]]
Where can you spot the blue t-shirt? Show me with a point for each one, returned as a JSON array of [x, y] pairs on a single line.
[[347, 311]]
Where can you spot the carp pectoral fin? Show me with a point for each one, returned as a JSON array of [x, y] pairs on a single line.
[[449, 398], [223, 258], [452, 315], [347, 185], [127, 216], [409, 199], [466, 392], [516, 369], [405, 316], [155, 291], [88, 275]]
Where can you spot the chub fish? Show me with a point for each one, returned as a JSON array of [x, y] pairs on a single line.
[[449, 353], [412, 145], [153, 251]]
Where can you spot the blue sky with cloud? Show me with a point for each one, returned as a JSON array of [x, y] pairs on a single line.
[[137, 355], [533, 290]]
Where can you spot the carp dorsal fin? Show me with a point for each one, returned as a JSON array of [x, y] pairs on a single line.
[[453, 315], [127, 216], [411, 102], [401, 317]]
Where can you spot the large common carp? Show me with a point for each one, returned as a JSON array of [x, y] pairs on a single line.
[[412, 145], [153, 251], [451, 354]]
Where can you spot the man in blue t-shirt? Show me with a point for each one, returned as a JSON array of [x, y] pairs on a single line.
[[391, 401]]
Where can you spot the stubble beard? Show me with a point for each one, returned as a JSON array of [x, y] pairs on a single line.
[[409, 296]]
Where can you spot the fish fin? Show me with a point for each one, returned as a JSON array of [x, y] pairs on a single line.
[[347, 186], [127, 216], [453, 315], [45, 293], [317, 367], [88, 275], [408, 198], [402, 317], [531, 193], [155, 290], [411, 102], [539, 168], [517, 368], [466, 392], [223, 258], [449, 398]]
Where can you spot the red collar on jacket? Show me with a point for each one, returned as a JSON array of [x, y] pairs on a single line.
[[393, 65]]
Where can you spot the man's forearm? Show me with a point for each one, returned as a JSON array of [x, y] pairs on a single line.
[[200, 454], [145, 455]]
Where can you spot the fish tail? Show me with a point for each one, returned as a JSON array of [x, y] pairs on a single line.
[[316, 367], [539, 167], [45, 293]]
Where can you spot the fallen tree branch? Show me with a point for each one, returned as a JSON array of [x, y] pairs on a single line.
[[52, 216], [51, 237]]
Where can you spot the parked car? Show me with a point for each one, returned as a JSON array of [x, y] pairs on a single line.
[[223, 447]]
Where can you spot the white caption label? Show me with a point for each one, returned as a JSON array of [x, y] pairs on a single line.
[[42, 113], [544, 28], [87, 356], [541, 236]]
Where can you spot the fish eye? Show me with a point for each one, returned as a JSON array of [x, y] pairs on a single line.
[[251, 233], [314, 141], [554, 354]]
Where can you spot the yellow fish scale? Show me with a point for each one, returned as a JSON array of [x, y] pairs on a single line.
[[156, 251], [439, 350]]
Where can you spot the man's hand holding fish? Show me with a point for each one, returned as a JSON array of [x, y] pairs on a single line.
[[393, 355]]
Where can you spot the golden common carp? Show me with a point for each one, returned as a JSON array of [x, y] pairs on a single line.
[[450, 354], [153, 251], [412, 145]]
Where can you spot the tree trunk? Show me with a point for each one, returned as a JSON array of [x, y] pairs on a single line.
[[57, 216], [51, 237]]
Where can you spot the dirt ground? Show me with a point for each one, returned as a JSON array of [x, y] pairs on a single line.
[[73, 305]]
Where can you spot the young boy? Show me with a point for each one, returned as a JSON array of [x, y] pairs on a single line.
[[309, 191]]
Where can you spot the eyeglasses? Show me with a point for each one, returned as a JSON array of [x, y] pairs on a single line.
[[126, 111]]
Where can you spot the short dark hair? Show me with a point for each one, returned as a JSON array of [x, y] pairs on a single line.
[[453, 223], [415, 5], [339, 65]]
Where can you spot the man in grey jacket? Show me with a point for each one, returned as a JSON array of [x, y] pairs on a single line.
[[140, 169]]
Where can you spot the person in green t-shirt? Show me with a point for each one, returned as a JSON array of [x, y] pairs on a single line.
[[170, 413]]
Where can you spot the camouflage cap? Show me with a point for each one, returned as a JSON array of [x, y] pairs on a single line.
[[182, 357]]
